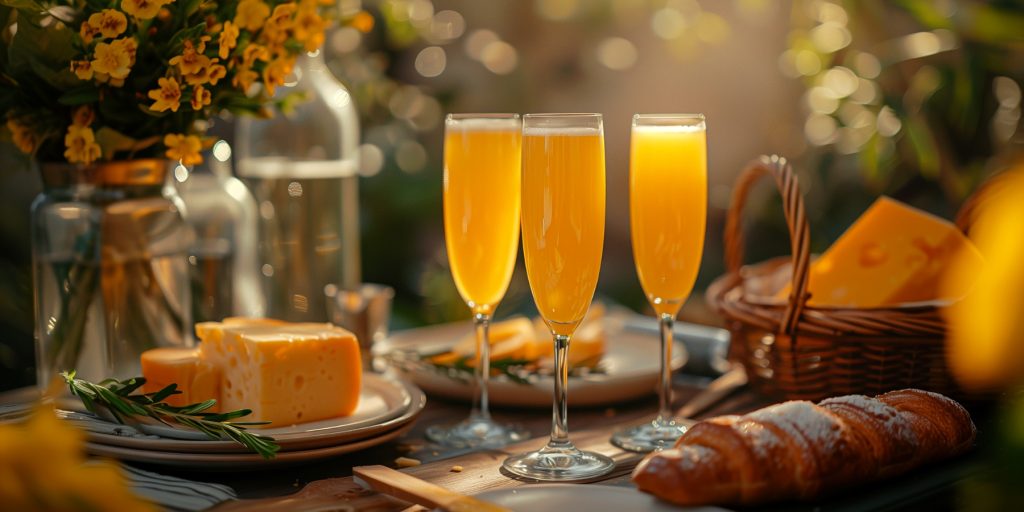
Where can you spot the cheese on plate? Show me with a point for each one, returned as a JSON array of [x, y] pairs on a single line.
[[197, 379]]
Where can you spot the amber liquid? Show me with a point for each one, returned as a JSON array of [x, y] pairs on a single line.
[[563, 221], [481, 208], [668, 211]]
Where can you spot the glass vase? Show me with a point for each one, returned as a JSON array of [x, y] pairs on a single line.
[[110, 270]]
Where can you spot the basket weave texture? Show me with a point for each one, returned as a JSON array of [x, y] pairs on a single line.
[[793, 350]]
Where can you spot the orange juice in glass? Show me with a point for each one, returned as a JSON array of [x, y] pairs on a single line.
[[563, 237], [668, 213], [482, 179]]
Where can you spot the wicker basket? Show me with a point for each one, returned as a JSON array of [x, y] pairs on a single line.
[[796, 351]]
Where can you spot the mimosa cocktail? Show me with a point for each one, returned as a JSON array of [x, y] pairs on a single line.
[[563, 237], [482, 180], [563, 221], [668, 213]]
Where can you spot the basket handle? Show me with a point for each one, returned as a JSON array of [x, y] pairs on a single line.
[[796, 220]]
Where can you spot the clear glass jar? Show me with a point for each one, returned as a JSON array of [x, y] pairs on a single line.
[[109, 261], [301, 166]]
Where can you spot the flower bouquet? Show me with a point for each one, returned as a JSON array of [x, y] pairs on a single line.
[[106, 96]]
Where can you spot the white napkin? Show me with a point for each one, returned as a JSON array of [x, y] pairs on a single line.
[[177, 493]]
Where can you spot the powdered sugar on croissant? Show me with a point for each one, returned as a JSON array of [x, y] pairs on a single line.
[[798, 450]]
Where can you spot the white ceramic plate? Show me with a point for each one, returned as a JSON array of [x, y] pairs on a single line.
[[632, 361], [385, 404], [562, 497], [239, 461]]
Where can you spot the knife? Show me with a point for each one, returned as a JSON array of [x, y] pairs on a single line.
[[409, 488], [717, 390]]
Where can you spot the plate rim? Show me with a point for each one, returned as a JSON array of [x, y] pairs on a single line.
[[543, 384], [252, 461], [605, 487], [294, 442]]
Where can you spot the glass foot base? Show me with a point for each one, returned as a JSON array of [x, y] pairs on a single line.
[[559, 464], [476, 433], [656, 435]]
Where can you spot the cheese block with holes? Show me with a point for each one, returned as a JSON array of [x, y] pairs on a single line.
[[286, 373], [892, 254]]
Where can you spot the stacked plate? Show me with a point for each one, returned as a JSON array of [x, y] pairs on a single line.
[[387, 409]]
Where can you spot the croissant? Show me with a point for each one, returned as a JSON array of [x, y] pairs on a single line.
[[798, 450]]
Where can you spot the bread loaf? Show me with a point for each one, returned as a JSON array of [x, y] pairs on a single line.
[[799, 450]]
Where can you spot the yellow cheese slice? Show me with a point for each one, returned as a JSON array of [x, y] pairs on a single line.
[[509, 339], [197, 380], [519, 338], [892, 254], [285, 373]]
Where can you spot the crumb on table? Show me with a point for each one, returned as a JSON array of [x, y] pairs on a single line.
[[456, 469], [406, 462]]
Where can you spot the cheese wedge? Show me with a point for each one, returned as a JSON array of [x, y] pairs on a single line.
[[509, 339], [197, 379], [285, 373], [892, 254]]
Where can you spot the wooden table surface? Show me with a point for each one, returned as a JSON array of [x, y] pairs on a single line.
[[329, 483]]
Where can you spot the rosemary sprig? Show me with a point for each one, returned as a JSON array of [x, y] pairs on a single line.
[[118, 398]]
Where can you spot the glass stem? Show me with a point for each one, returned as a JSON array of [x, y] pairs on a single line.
[[665, 390], [560, 411], [481, 409]]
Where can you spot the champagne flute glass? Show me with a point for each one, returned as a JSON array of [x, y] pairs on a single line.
[[563, 236], [668, 210], [482, 155]]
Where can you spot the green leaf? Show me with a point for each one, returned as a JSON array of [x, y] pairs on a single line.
[[50, 47], [112, 141], [80, 96], [27, 5]]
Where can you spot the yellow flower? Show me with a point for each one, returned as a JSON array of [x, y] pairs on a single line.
[[88, 32], [190, 61], [210, 73], [309, 29], [109, 22], [129, 45], [83, 116], [276, 29], [200, 97], [168, 96], [228, 39], [201, 46], [254, 52], [113, 59], [44, 468], [143, 9], [82, 69], [363, 22], [217, 72], [22, 135], [81, 145], [244, 77], [275, 73], [251, 14], [184, 148]]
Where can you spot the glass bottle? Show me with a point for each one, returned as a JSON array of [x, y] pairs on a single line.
[[301, 167], [223, 261]]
